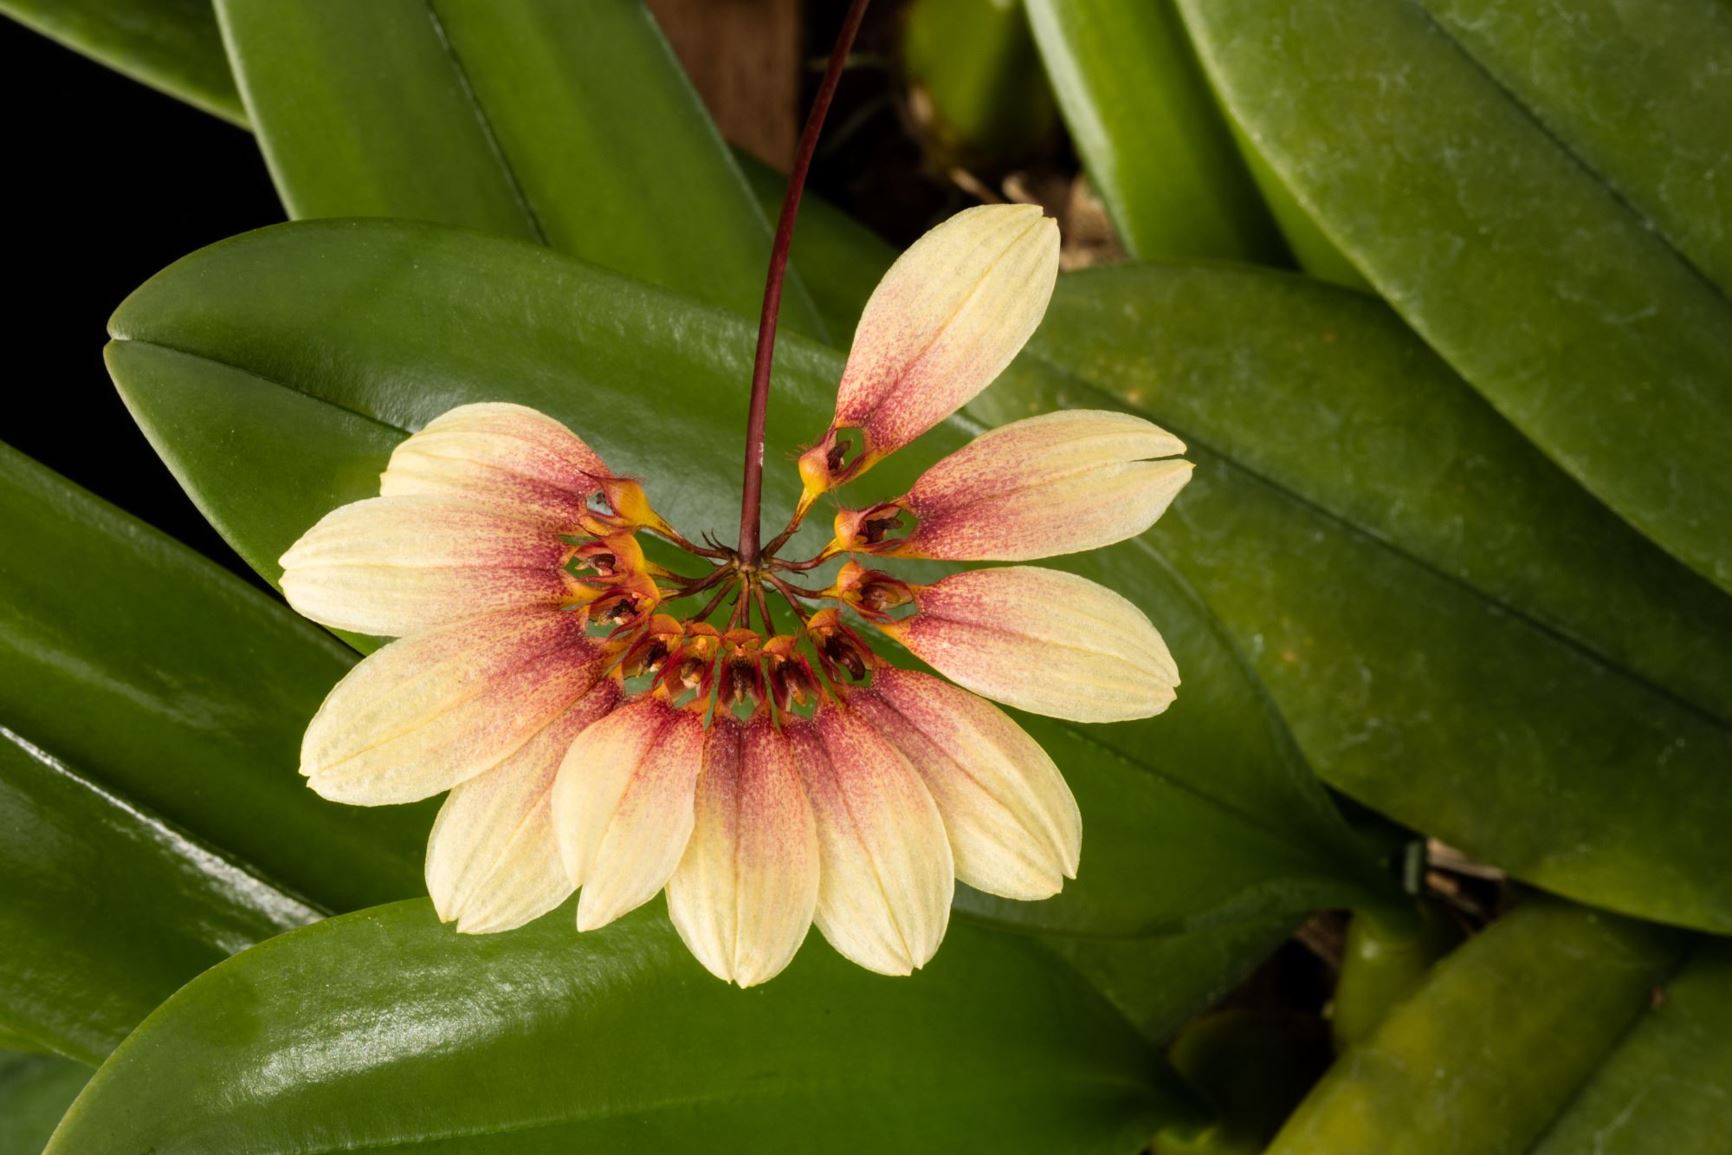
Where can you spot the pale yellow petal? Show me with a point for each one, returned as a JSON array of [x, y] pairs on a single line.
[[886, 877], [499, 454], [623, 806], [432, 710], [746, 890], [1013, 824], [946, 319], [1059, 483], [1043, 641], [493, 861], [392, 566]]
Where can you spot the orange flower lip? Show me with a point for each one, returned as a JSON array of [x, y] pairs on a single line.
[[616, 726]]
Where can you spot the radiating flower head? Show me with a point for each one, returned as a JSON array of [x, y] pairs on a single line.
[[610, 726]]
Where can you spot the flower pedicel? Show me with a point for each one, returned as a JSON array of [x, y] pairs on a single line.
[[593, 739]]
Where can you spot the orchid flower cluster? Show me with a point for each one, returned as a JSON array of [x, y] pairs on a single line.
[[612, 726]]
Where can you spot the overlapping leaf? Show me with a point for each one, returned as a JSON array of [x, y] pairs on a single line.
[[34, 1092], [568, 125], [173, 685], [150, 710], [1560, 1030], [1456, 636], [1540, 196], [378, 1031], [1145, 123], [1177, 176], [173, 45]]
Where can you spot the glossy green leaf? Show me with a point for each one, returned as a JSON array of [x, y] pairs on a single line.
[[35, 1091], [567, 124], [1488, 1053], [150, 712], [1535, 192], [1663, 1091], [371, 1032], [1154, 143], [1312, 251], [172, 45], [1457, 635], [1202, 815], [174, 686], [107, 910]]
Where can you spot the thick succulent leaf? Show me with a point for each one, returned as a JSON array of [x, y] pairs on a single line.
[[236, 375], [150, 714], [107, 910], [528, 120], [174, 686], [35, 1091], [616, 1041], [173, 45], [1536, 1025], [1535, 193], [1155, 145], [1663, 1091], [1456, 634]]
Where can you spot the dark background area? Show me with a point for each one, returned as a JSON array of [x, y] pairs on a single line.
[[109, 182]]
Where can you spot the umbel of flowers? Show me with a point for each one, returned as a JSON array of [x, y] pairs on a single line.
[[732, 734]]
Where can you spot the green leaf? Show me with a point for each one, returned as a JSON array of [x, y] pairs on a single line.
[[1457, 635], [176, 687], [1534, 192], [150, 711], [569, 125], [968, 65], [172, 45], [844, 258], [107, 910], [1382, 963], [1162, 982], [1203, 815], [383, 1030], [35, 1091], [1155, 145], [1484, 1057], [1663, 1091]]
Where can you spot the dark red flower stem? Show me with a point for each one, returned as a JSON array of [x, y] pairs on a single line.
[[752, 486]]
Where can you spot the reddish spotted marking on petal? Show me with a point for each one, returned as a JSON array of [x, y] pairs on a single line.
[[492, 860], [391, 566], [1013, 824], [502, 454], [623, 805], [885, 871], [439, 707], [1043, 641], [1055, 484], [946, 319], [747, 888]]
